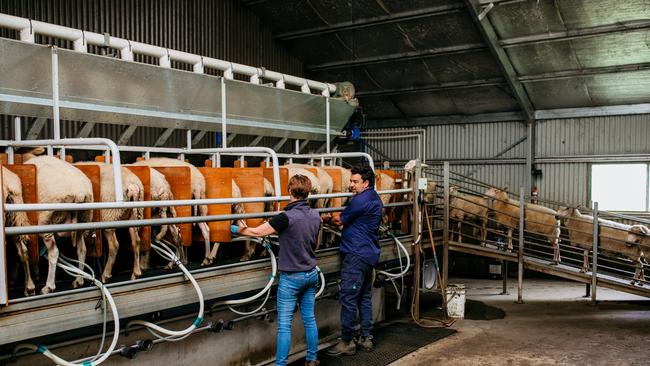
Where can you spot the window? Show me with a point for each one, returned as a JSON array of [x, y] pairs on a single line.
[[620, 187]]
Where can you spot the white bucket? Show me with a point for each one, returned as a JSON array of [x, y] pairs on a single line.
[[456, 301]]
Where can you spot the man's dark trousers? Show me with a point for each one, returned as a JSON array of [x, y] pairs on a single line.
[[356, 286]]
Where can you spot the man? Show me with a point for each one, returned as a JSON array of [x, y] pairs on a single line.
[[359, 254], [298, 228]]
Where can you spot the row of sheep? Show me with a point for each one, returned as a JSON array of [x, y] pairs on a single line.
[[67, 184], [615, 239]]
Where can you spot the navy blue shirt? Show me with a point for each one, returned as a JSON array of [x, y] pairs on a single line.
[[297, 229], [361, 219]]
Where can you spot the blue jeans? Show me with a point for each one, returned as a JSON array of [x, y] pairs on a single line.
[[356, 286], [297, 287]]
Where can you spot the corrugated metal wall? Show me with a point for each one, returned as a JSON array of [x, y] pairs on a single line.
[[223, 29], [594, 136], [476, 141], [566, 182]]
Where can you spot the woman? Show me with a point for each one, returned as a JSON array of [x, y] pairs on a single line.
[[297, 228]]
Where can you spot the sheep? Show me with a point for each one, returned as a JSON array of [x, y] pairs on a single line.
[[539, 219], [160, 190], [638, 240], [249, 246], [325, 183], [132, 190], [294, 169], [197, 183], [464, 207], [614, 238], [12, 192], [61, 182]]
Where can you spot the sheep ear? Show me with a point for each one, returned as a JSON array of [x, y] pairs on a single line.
[[505, 188]]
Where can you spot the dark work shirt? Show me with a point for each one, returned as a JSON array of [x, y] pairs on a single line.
[[361, 219], [297, 229]]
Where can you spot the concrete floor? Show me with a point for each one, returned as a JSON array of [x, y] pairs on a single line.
[[555, 326]]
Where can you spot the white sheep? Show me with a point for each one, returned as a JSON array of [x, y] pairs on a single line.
[[538, 219], [12, 192], [197, 183], [61, 182], [132, 190], [160, 190], [323, 183]]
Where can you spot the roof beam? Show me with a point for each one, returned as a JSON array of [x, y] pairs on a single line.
[[402, 57], [621, 27], [569, 74], [198, 137], [164, 137], [500, 2], [303, 145], [280, 143], [434, 87], [508, 71], [372, 21], [126, 135], [36, 128], [446, 120], [612, 110], [86, 130], [256, 140], [230, 138]]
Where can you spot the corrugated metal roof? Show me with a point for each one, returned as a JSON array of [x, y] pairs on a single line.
[[567, 53]]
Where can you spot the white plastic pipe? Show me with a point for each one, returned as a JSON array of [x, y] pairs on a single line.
[[171, 256], [116, 321]]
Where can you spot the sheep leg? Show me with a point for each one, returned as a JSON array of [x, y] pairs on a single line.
[[78, 238], [249, 250], [30, 289], [144, 260], [52, 258], [212, 255], [585, 261], [458, 234], [483, 232], [205, 233], [555, 243], [135, 244], [639, 276], [510, 230], [113, 247]]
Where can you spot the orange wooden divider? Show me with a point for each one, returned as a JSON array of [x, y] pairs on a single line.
[[284, 182], [4, 159], [207, 163], [27, 175], [337, 186], [237, 164], [92, 172], [218, 184], [144, 174], [251, 184], [179, 179]]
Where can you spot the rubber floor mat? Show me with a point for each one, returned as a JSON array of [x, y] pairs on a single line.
[[392, 342]]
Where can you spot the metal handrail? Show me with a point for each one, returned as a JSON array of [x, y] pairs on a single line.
[[115, 151]]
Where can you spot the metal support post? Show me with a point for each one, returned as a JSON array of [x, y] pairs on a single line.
[[189, 139], [445, 229], [504, 277], [520, 254], [55, 95], [4, 295], [297, 146], [224, 144], [327, 125], [594, 265]]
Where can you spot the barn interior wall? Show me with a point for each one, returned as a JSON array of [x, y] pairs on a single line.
[[496, 152]]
